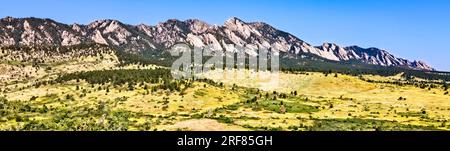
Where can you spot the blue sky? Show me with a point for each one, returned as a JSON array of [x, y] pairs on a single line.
[[411, 29]]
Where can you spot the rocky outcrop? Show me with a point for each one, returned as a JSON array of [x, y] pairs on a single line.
[[35, 31]]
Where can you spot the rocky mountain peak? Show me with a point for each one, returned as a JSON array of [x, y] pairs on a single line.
[[35, 31], [332, 47], [7, 19], [103, 23], [234, 20], [76, 27], [197, 26], [235, 23]]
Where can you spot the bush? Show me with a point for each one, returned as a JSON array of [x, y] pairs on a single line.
[[225, 119], [121, 99], [70, 97], [33, 98], [44, 109], [445, 86]]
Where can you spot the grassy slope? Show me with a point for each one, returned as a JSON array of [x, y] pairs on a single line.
[[354, 98], [323, 103]]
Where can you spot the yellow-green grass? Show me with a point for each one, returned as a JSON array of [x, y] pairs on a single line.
[[355, 98], [322, 103], [200, 97]]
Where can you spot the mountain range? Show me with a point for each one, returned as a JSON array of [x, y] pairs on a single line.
[[136, 38]]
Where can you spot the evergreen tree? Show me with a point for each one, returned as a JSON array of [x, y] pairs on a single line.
[[130, 86], [445, 86]]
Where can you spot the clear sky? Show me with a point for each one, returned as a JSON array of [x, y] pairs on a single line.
[[411, 29]]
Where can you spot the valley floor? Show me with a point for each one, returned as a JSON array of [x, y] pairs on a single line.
[[296, 101]]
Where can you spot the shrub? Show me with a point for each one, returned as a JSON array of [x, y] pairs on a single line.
[[70, 97], [225, 119], [33, 98]]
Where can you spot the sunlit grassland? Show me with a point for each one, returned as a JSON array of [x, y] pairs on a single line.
[[161, 108], [238, 100], [351, 98]]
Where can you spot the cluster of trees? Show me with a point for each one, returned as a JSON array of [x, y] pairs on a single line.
[[113, 121], [355, 68], [132, 78], [148, 57], [211, 82], [53, 48], [401, 99], [46, 48], [294, 93], [38, 54], [120, 77], [420, 84], [357, 124], [98, 117], [445, 76]]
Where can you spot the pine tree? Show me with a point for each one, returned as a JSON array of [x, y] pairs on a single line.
[[445, 86], [130, 86]]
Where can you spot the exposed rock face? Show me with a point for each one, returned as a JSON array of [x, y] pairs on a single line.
[[34, 31]]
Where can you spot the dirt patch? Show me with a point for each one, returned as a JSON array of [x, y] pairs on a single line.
[[204, 125]]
